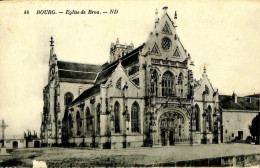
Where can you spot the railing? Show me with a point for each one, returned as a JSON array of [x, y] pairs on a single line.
[[179, 100]]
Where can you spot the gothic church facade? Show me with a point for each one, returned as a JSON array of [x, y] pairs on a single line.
[[145, 96]]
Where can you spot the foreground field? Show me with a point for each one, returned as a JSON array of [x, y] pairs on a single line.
[[84, 157]]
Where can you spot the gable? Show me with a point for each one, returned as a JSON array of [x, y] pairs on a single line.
[[164, 41], [166, 29], [176, 53], [155, 50]]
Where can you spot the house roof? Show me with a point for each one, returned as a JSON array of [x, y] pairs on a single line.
[[254, 95], [71, 70], [243, 103]]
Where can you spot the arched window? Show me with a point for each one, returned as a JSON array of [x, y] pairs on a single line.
[[117, 117], [118, 83], [180, 84], [70, 126], [206, 89], [79, 124], [135, 117], [68, 98], [209, 118], [88, 121], [98, 110], [197, 117], [154, 82], [179, 130], [168, 88]]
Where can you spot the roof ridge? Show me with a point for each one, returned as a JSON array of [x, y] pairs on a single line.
[[79, 63], [76, 71]]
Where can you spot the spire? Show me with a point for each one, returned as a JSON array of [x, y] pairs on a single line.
[[117, 41], [175, 15], [204, 70], [52, 42], [52, 47], [175, 19]]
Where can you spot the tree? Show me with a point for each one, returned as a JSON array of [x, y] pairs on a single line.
[[254, 128]]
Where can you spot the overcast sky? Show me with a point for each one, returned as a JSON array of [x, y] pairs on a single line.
[[223, 36]]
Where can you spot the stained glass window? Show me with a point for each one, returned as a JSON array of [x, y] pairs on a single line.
[[68, 98], [166, 43], [135, 117], [117, 117], [168, 88], [118, 83]]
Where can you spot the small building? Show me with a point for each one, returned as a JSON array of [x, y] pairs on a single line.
[[15, 142], [237, 114], [32, 140]]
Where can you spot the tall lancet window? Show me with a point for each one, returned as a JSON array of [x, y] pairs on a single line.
[[135, 127], [78, 123], [98, 110], [154, 82], [168, 88], [68, 98], [70, 126], [197, 117], [209, 118], [117, 117], [88, 121], [180, 84]]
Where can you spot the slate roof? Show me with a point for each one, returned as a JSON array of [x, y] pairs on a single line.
[[106, 72], [243, 103], [82, 72], [78, 66], [125, 61], [87, 93], [77, 75]]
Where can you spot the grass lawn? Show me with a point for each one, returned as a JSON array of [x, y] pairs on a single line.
[[83, 157]]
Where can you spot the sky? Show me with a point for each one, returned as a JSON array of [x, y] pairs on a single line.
[[223, 36]]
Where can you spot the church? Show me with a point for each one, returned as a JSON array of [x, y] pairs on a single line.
[[144, 96]]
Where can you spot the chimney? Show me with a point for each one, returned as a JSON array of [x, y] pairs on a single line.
[[80, 90], [165, 9], [234, 97]]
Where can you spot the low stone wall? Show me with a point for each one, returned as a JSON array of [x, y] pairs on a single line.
[[226, 161]]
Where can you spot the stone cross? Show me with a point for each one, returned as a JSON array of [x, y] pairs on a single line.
[[3, 127]]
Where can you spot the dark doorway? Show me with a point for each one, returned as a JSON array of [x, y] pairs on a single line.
[[171, 138], [240, 135], [37, 144], [164, 139], [15, 144]]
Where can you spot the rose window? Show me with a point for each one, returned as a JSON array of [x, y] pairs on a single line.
[[166, 43]]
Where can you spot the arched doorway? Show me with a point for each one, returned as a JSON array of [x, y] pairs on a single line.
[[171, 125], [37, 144], [15, 144]]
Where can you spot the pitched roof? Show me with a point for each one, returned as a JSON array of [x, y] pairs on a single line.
[[243, 103], [125, 61], [72, 66], [254, 95], [82, 72], [87, 93], [106, 72]]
